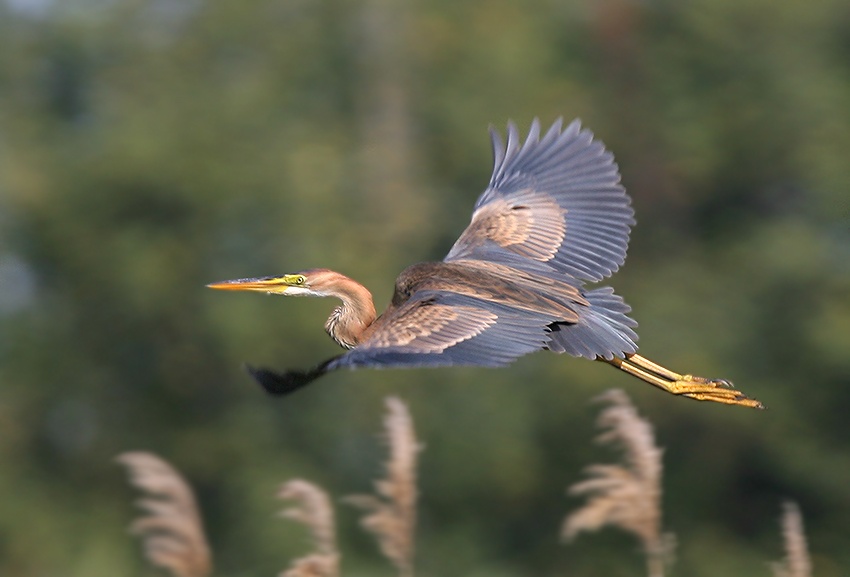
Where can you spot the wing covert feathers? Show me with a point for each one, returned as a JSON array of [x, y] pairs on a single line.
[[428, 327], [436, 328]]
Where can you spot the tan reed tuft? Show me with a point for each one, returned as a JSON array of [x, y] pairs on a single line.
[[391, 511], [628, 495], [171, 532]]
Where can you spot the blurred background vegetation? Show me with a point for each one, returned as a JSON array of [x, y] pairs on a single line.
[[148, 147]]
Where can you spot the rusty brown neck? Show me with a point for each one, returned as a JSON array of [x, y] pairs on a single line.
[[348, 321]]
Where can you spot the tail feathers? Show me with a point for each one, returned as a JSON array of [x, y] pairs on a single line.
[[604, 329]]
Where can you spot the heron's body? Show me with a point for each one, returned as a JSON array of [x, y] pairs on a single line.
[[553, 217]]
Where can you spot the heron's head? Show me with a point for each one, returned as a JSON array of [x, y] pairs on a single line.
[[315, 282]]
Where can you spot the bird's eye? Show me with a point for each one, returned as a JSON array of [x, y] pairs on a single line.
[[300, 280]]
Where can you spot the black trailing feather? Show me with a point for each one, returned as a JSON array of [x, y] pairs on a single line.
[[278, 385]]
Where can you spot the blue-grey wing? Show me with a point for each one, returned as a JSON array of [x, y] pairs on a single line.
[[553, 203], [440, 328]]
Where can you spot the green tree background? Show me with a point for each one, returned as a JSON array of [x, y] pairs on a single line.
[[148, 147]]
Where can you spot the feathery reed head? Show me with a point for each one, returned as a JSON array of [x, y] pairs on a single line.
[[172, 532], [796, 562], [627, 496], [391, 512], [312, 509]]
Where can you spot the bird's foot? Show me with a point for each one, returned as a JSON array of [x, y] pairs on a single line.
[[698, 388], [717, 390]]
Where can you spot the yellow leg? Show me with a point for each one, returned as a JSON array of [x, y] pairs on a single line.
[[699, 388]]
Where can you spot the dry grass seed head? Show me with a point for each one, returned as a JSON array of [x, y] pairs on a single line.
[[627, 496], [391, 512], [312, 509], [314, 566], [797, 562], [172, 531]]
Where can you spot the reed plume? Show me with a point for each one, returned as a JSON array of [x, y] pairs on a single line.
[[796, 562], [313, 510], [391, 511], [626, 495], [171, 532]]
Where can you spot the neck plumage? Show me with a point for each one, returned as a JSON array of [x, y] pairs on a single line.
[[348, 321]]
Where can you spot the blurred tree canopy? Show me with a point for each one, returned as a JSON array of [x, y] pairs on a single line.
[[148, 147]]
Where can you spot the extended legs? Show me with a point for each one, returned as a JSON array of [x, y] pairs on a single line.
[[699, 388]]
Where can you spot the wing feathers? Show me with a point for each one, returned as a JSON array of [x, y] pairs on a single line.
[[569, 188], [427, 327], [442, 328]]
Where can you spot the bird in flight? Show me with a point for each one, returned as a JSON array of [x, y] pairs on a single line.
[[553, 217]]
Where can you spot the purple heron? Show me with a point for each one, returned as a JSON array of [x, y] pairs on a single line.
[[553, 217]]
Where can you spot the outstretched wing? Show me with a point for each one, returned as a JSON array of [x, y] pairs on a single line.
[[554, 203], [433, 328], [440, 328]]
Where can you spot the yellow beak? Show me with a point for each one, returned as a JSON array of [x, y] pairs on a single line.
[[278, 284]]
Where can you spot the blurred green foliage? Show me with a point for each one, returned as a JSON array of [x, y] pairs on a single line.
[[148, 147]]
